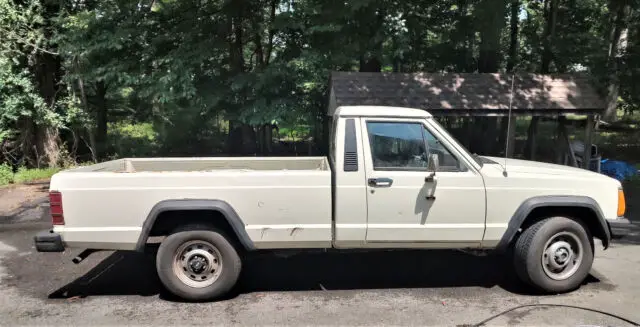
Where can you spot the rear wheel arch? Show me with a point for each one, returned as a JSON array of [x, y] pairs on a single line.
[[217, 213], [581, 208]]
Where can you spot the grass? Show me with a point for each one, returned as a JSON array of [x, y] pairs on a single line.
[[24, 175]]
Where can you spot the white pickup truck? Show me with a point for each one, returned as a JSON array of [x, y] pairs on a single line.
[[394, 179]]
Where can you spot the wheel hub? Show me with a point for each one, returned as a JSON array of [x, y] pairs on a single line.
[[198, 264], [562, 256]]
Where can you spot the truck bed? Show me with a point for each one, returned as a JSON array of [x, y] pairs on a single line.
[[282, 202], [133, 165]]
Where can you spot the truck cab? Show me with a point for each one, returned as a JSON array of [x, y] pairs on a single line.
[[389, 191]]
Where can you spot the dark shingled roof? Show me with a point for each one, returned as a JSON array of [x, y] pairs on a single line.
[[456, 93]]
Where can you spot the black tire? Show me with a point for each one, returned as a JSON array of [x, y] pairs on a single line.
[[230, 261], [530, 247]]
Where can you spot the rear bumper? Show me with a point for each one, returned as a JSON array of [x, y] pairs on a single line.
[[619, 227], [48, 241]]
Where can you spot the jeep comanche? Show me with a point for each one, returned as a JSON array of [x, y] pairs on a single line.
[[394, 179]]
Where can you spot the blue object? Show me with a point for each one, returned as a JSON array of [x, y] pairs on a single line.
[[619, 170]]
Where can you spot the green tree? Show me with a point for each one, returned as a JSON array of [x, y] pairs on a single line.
[[30, 115]]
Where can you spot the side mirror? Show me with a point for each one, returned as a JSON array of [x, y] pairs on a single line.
[[432, 166], [433, 163]]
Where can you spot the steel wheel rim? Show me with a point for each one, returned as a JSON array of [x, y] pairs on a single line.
[[562, 255], [197, 264]]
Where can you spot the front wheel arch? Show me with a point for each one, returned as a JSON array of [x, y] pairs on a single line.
[[535, 209]]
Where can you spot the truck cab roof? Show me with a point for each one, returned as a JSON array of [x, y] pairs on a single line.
[[380, 111]]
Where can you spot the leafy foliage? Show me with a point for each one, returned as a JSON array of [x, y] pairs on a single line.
[[133, 140], [117, 78], [6, 174]]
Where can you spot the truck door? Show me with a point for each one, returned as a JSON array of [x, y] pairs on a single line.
[[405, 203]]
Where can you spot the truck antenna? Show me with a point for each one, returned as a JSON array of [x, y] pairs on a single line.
[[506, 148]]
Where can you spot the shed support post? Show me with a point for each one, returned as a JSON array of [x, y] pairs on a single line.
[[531, 138], [468, 130], [562, 129], [560, 148], [511, 136], [588, 135]]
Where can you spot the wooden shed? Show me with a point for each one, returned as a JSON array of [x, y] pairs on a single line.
[[477, 95]]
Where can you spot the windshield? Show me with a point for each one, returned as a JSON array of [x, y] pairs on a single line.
[[475, 157]]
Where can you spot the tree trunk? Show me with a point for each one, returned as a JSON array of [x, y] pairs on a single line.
[[48, 141], [491, 20], [513, 46], [371, 54], [465, 34], [47, 137], [617, 45], [29, 157], [396, 59], [237, 130], [85, 105], [551, 13], [271, 31], [257, 40], [236, 46], [101, 119]]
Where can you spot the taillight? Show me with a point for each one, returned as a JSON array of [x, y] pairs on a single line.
[[55, 205]]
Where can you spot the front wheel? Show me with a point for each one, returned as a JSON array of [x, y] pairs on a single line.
[[554, 254], [198, 265]]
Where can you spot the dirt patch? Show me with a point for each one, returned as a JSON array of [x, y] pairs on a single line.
[[14, 197]]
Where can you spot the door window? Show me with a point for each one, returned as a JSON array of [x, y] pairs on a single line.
[[405, 146], [397, 146]]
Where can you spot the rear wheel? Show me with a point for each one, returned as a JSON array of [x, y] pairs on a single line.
[[554, 255], [198, 264]]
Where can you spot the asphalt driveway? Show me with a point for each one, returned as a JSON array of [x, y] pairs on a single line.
[[375, 288]]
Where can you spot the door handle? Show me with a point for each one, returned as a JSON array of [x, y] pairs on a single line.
[[380, 182], [430, 178]]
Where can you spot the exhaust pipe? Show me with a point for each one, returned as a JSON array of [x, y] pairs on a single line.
[[83, 255]]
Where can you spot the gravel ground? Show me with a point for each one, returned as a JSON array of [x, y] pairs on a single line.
[[376, 288], [17, 200]]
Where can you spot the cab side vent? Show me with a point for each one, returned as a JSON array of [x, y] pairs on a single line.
[[350, 146]]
